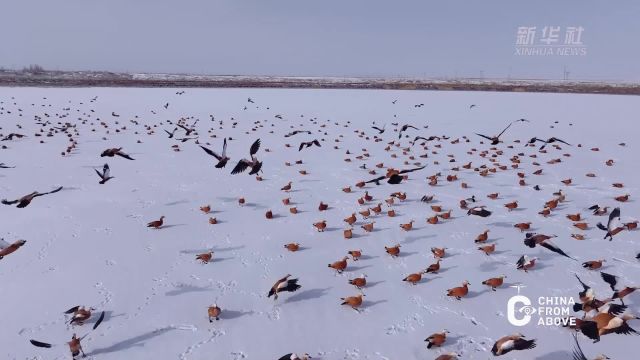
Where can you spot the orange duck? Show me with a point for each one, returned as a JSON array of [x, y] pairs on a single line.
[[368, 227], [351, 219], [7, 249], [438, 253], [414, 278], [359, 282], [323, 206], [340, 265], [205, 257], [394, 251], [347, 233], [157, 224], [214, 312], [512, 205], [408, 226], [482, 237], [293, 247], [488, 249], [354, 301], [355, 254], [459, 292], [434, 268], [320, 226], [205, 209], [523, 226], [494, 282]]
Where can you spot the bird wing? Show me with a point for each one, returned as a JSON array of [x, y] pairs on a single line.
[[72, 310], [254, 147], [625, 329], [376, 180], [302, 145], [562, 141], [377, 128], [40, 344], [584, 286], [521, 262], [484, 136], [317, 143], [49, 192], [412, 170], [211, 152], [594, 207], [121, 154], [505, 129], [7, 202], [615, 214], [99, 174], [240, 167], [577, 351], [612, 280], [554, 248], [256, 168], [106, 171], [4, 244], [522, 344], [411, 126]]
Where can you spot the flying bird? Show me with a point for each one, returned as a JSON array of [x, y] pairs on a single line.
[[380, 131], [309, 144], [611, 229], [115, 151], [296, 132], [7, 249], [105, 175], [510, 343], [243, 164], [171, 134], [533, 239], [394, 177], [548, 141], [26, 200], [223, 158], [495, 140], [404, 128], [11, 136], [282, 285]]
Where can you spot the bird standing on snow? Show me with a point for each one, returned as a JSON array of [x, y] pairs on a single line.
[[294, 356]]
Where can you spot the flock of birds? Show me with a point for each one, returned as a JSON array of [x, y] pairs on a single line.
[[600, 316]]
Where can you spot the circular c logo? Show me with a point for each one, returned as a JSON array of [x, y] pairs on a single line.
[[526, 309]]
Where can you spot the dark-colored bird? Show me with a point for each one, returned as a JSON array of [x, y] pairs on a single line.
[[394, 178], [254, 164], [613, 216], [4, 166], [309, 144], [223, 158], [284, 284], [105, 175], [11, 136], [115, 151], [495, 140], [26, 200], [430, 138], [171, 134], [510, 343], [188, 130], [548, 141], [533, 239], [612, 280], [404, 128], [479, 211], [166, 106], [380, 131], [295, 132]]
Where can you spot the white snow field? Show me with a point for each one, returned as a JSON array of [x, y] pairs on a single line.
[[89, 245]]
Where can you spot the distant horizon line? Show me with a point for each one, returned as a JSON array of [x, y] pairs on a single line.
[[25, 69]]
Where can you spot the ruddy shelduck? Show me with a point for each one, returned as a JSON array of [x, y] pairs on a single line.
[[460, 291]]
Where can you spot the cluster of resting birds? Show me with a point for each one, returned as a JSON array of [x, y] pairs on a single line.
[[412, 146]]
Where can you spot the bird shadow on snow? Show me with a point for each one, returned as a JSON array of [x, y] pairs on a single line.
[[234, 314], [177, 202], [412, 239], [555, 355], [308, 294], [131, 342], [186, 288], [171, 226]]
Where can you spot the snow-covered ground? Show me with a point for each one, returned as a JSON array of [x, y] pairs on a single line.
[[89, 244]]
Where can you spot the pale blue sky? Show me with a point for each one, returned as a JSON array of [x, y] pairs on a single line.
[[328, 37]]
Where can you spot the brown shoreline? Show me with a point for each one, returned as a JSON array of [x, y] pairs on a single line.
[[98, 79]]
